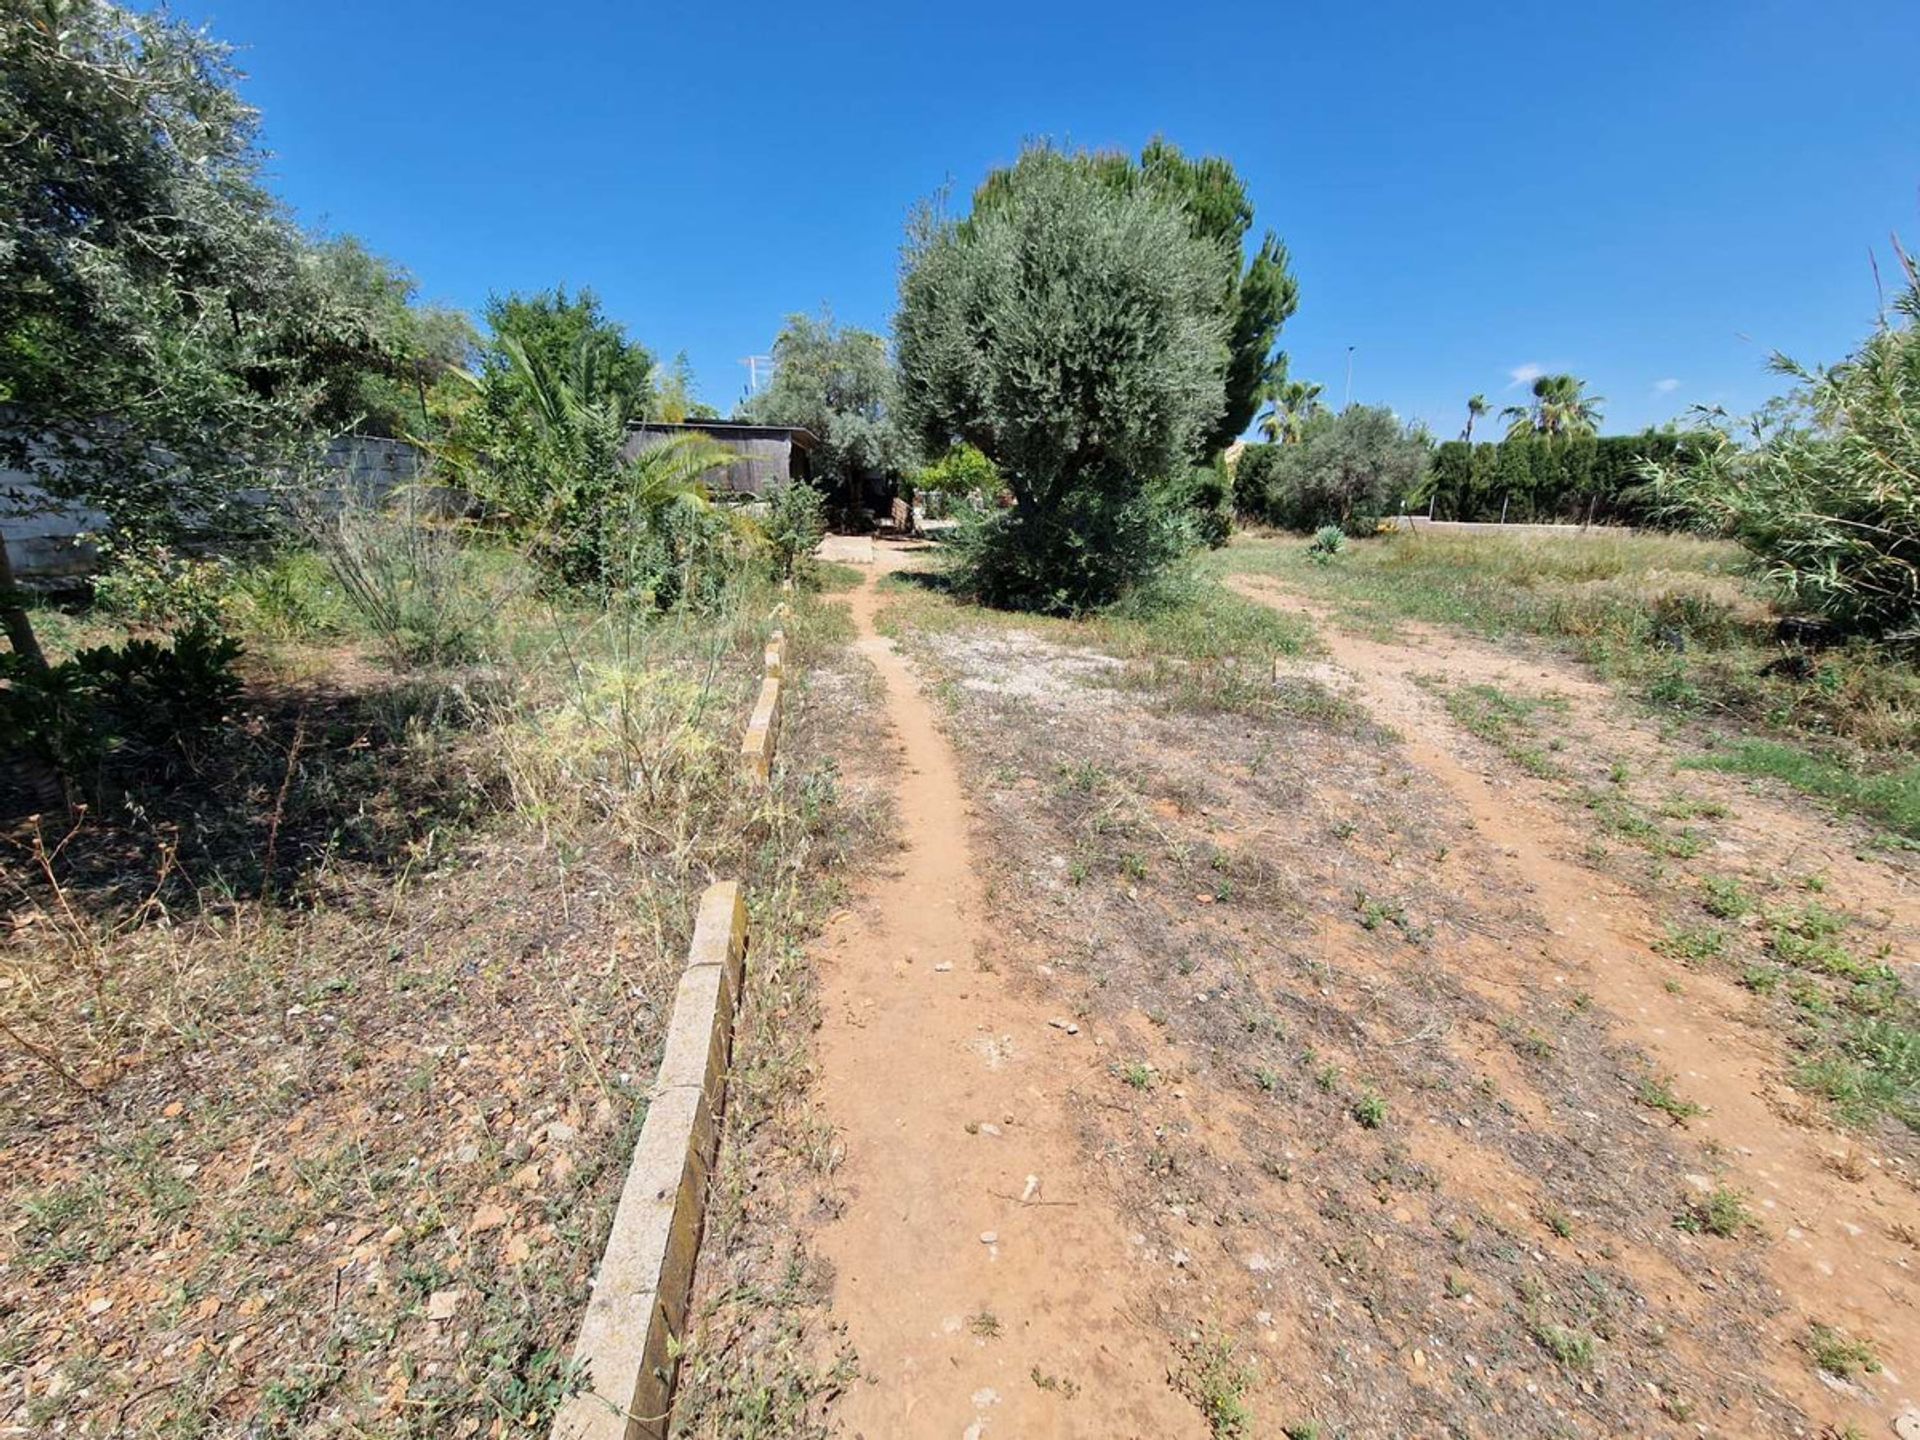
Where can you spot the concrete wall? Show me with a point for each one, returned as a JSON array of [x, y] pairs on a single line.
[[41, 537]]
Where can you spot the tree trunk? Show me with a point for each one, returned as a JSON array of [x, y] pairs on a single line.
[[13, 616]]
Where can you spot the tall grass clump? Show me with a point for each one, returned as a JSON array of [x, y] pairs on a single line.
[[407, 575], [1830, 509]]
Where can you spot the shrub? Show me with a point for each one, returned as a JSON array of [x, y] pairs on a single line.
[[796, 518], [156, 585], [1830, 510], [963, 470], [1207, 497], [1349, 471], [1082, 554], [116, 708], [1072, 331]]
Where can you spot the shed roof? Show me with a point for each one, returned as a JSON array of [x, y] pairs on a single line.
[[735, 429]]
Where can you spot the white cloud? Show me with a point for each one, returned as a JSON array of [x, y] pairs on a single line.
[[1526, 374], [1665, 387]]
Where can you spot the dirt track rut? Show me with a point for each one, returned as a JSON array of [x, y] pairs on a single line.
[[1837, 1254], [977, 1257]]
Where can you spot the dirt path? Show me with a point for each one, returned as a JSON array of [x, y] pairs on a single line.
[[981, 1273], [1837, 1251]]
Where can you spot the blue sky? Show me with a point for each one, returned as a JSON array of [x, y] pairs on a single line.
[[1651, 195]]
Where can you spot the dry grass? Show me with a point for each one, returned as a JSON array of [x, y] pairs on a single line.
[[323, 1061]]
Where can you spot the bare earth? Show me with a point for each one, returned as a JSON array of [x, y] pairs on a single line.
[[969, 1210], [1245, 1068]]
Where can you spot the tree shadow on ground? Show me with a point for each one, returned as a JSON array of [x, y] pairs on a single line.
[[300, 779]]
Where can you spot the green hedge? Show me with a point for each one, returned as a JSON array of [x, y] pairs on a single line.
[[1547, 481]]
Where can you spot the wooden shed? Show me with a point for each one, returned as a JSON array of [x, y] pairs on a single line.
[[769, 454]]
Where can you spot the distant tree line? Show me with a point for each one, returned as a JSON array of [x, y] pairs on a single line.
[[1535, 478]]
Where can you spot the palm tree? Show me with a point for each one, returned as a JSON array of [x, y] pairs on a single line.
[[1290, 404], [1477, 407], [1560, 407]]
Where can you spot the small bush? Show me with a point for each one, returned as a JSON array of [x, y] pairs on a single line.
[[796, 518], [155, 585], [111, 709]]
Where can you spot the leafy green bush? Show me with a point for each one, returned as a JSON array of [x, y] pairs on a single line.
[[963, 470], [1350, 471], [156, 585], [1830, 510], [109, 708], [1207, 497], [796, 518]]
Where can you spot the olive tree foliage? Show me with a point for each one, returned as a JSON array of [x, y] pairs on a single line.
[[838, 382], [1072, 333], [144, 273], [1350, 470], [168, 337], [1255, 299], [1825, 492]]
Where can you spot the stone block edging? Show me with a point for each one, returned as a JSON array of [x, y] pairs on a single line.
[[629, 1341]]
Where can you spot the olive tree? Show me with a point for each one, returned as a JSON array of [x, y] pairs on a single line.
[[1349, 470], [168, 337], [1073, 333], [836, 381]]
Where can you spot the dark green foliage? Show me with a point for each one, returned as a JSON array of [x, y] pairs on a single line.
[[562, 334], [117, 710], [1085, 551], [1207, 497], [1349, 470], [1543, 481], [1071, 331]]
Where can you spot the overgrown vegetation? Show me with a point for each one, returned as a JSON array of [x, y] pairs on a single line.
[[1829, 508], [1680, 622]]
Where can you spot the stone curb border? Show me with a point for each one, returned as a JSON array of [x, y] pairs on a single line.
[[763, 729], [629, 1342]]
